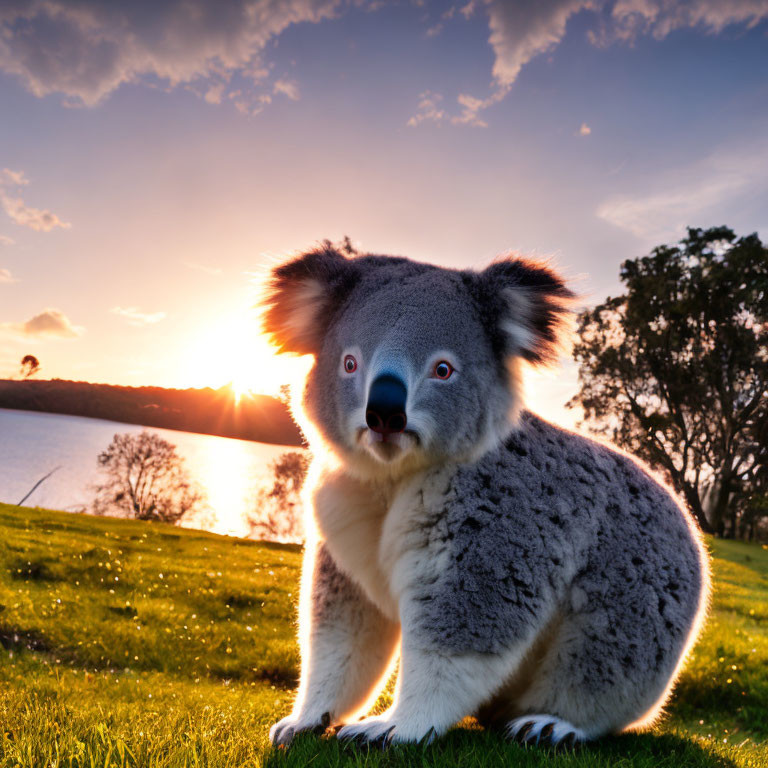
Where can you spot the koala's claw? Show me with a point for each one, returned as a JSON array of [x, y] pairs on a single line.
[[522, 734], [545, 729], [383, 741], [382, 731], [282, 733], [428, 737]]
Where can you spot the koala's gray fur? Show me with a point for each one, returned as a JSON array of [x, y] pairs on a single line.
[[540, 580], [546, 518]]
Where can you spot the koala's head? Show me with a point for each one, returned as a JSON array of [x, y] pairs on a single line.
[[414, 363]]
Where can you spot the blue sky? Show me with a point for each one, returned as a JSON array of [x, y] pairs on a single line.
[[159, 157]]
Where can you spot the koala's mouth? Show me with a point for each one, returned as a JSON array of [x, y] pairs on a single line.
[[387, 447]]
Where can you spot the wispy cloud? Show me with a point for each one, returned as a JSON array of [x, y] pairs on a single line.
[[6, 276], [428, 110], [86, 50], [437, 27], [4, 240], [27, 216], [584, 130], [471, 107], [521, 31], [687, 195], [518, 33], [631, 18], [289, 88], [214, 93], [13, 178], [41, 220], [51, 323], [136, 317]]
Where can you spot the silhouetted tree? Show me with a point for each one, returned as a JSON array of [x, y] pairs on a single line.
[[30, 365], [145, 479], [676, 370], [278, 514]]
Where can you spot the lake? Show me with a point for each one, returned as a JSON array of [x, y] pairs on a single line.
[[229, 471]]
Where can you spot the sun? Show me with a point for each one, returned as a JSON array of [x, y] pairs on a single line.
[[232, 352]]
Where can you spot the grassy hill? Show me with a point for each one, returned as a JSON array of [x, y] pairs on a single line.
[[135, 644]]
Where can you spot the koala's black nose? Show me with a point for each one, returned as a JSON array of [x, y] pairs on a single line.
[[386, 405]]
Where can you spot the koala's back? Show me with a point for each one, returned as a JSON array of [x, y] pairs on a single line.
[[552, 523]]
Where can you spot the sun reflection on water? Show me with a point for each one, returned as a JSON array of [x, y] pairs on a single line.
[[230, 472]]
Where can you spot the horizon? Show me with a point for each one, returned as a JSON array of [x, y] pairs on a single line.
[[149, 180]]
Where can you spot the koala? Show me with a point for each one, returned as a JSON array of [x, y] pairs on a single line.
[[539, 580]]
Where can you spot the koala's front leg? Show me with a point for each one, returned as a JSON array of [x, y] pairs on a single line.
[[435, 689], [346, 645]]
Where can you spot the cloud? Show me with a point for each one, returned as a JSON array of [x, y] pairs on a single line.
[[6, 240], [6, 276], [428, 109], [520, 31], [85, 50], [472, 107], [584, 130], [289, 88], [26, 216], [50, 323], [21, 213], [214, 93], [136, 317], [631, 18], [13, 178], [437, 27], [687, 195]]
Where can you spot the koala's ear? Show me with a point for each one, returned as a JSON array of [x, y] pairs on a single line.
[[529, 303], [301, 296]]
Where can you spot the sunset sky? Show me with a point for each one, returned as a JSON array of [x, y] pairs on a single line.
[[156, 158]]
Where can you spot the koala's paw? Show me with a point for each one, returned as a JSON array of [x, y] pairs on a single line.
[[545, 729], [386, 729], [282, 732]]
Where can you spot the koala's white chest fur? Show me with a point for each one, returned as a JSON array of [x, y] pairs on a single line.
[[373, 531]]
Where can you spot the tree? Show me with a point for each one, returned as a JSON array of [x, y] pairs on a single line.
[[30, 365], [145, 479], [675, 370], [279, 511]]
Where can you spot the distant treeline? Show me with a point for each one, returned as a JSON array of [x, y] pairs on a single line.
[[207, 411]]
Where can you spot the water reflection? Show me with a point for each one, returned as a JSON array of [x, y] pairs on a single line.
[[31, 444], [230, 474]]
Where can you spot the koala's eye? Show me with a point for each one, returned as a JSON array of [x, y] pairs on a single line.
[[350, 364], [442, 370]]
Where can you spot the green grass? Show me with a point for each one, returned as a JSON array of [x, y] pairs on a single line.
[[134, 644]]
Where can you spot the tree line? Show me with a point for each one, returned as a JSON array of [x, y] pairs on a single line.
[[206, 411]]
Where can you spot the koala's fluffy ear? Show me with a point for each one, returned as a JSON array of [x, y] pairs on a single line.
[[301, 296], [528, 304]]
